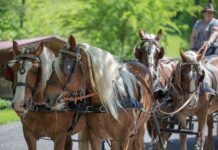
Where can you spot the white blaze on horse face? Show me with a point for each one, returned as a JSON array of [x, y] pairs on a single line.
[[151, 59], [20, 90], [192, 77]]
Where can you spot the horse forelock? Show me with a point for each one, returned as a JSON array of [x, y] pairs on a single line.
[[191, 57], [104, 69], [47, 57], [150, 36]]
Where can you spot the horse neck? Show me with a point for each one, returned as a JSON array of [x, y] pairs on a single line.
[[5, 56]]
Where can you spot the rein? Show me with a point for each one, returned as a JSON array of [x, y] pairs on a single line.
[[179, 91], [180, 108], [79, 98]]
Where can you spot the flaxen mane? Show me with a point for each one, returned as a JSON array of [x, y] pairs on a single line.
[[110, 79]]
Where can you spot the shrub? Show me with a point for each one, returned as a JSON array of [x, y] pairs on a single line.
[[5, 104]]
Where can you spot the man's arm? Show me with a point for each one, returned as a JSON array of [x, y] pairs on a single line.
[[192, 40], [212, 38]]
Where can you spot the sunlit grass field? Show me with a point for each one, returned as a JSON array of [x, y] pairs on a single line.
[[7, 116]]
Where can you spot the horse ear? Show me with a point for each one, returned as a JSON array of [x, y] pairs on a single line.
[[182, 55], [142, 34], [161, 53], [159, 35], [201, 53], [136, 52], [72, 42], [39, 49], [16, 49]]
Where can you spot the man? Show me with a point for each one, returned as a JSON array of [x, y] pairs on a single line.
[[205, 32]]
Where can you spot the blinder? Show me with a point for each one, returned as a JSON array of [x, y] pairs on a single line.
[[68, 66]]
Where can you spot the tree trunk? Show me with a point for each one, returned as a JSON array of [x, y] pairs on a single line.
[[22, 13]]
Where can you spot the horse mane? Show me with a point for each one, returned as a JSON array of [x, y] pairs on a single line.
[[47, 57], [109, 78]]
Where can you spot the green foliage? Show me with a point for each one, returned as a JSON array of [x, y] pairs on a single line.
[[4, 104], [113, 25]]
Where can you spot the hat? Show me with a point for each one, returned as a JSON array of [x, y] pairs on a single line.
[[208, 7]]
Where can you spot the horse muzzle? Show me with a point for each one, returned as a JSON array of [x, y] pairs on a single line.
[[20, 109]]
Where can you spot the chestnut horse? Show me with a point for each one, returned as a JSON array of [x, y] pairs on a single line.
[[150, 53], [118, 94], [29, 71], [193, 89]]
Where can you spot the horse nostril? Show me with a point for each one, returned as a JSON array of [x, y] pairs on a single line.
[[48, 100], [24, 106]]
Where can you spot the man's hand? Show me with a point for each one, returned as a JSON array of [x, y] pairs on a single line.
[[206, 45]]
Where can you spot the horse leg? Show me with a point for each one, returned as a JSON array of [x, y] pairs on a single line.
[[210, 132], [84, 137], [165, 137], [201, 128], [115, 145], [60, 142], [68, 144], [30, 140], [183, 137], [139, 139], [123, 144], [94, 140]]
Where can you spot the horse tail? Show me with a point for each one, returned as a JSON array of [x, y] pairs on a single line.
[[83, 137]]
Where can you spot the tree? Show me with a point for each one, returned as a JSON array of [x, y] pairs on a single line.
[[114, 25]]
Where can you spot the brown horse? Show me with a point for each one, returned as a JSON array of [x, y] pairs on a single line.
[[118, 94], [193, 90], [150, 53], [29, 71]]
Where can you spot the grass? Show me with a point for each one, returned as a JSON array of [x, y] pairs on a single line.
[[7, 116]]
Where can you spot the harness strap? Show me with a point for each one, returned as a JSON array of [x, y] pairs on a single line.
[[27, 56], [79, 98], [76, 118]]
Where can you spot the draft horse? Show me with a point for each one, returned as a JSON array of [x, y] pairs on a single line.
[[29, 71], [193, 89], [150, 53], [118, 94]]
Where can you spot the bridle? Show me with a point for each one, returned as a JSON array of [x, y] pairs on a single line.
[[176, 87], [22, 70], [148, 49], [65, 86], [145, 45]]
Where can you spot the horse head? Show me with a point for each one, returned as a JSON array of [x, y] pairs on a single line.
[[68, 78], [26, 76], [149, 50], [189, 72]]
